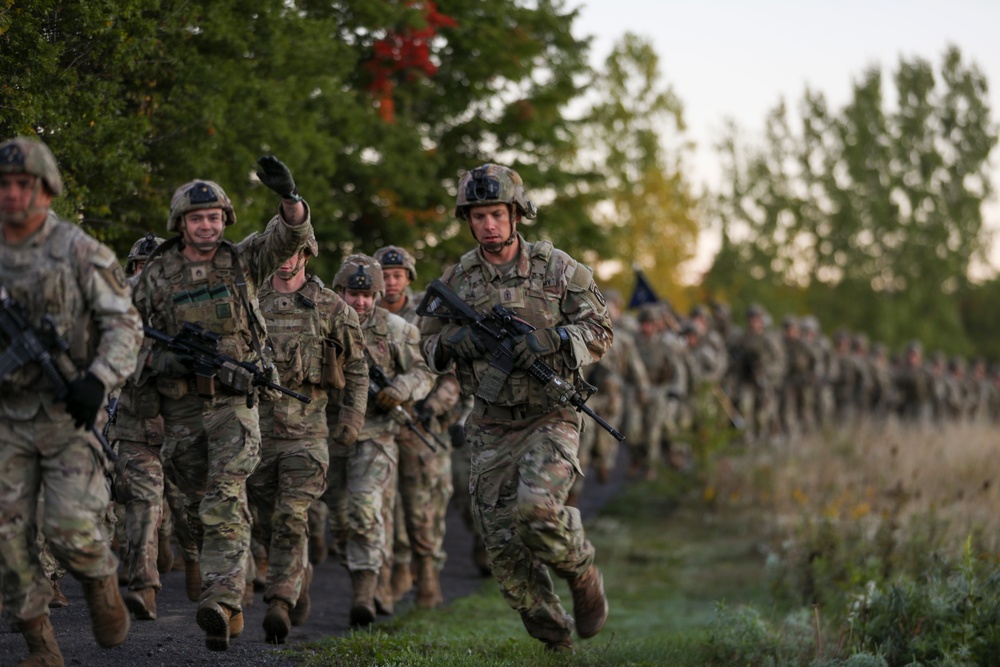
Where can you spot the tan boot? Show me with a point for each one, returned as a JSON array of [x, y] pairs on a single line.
[[192, 580], [590, 606], [363, 604], [109, 618], [43, 651], [277, 624], [260, 579], [236, 624], [59, 599], [300, 612], [428, 583], [164, 553], [214, 618], [142, 603], [402, 580], [384, 605]]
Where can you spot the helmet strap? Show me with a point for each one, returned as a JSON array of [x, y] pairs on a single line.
[[496, 249]]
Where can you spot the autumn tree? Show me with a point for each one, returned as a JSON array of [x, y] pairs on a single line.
[[634, 140]]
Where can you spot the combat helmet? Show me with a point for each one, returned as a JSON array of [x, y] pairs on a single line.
[[362, 273], [199, 194], [140, 251], [394, 256], [29, 156], [492, 184]]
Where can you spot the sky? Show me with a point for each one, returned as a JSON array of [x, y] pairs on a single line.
[[729, 59]]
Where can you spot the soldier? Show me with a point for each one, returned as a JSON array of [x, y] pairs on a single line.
[[424, 476], [755, 360], [138, 434], [524, 447], [362, 479], [214, 443], [914, 385], [318, 346], [60, 276]]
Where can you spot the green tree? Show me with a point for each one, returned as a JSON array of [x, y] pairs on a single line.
[[634, 138], [875, 213]]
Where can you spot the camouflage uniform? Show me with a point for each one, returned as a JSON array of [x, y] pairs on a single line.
[[363, 475], [663, 355], [213, 441], [755, 359], [524, 447], [318, 346], [59, 272], [425, 485], [914, 385]]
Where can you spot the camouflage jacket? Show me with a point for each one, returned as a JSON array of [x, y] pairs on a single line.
[[393, 344], [308, 331], [173, 290], [545, 287], [62, 272]]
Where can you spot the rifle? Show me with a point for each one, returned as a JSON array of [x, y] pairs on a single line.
[[498, 332], [377, 381], [27, 345], [735, 418], [202, 346]]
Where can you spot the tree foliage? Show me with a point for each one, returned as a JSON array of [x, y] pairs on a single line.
[[873, 215], [377, 106]]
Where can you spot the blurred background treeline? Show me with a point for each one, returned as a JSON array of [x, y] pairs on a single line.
[[869, 216]]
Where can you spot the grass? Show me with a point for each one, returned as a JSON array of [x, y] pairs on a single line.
[[875, 546]]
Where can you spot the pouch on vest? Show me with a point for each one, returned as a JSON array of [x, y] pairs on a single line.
[[235, 377], [333, 365]]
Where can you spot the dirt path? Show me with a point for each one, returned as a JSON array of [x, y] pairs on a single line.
[[175, 639]]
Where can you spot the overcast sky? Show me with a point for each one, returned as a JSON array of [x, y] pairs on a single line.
[[737, 59]]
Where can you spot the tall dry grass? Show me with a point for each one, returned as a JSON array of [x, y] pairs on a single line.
[[870, 500]]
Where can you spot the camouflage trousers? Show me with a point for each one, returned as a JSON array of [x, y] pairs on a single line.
[[597, 446], [424, 490], [291, 476], [661, 423], [361, 492], [139, 486], [48, 455], [759, 408], [522, 472], [211, 447]]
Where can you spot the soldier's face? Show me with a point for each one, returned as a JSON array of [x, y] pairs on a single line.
[[20, 204], [293, 266], [202, 229], [362, 301], [397, 279], [491, 225]]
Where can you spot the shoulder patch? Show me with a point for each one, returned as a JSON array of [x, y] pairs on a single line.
[[582, 277]]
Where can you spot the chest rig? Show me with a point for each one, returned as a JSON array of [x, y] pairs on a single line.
[[213, 294], [295, 332]]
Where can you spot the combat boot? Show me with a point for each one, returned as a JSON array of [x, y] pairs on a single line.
[[164, 553], [142, 603], [428, 583], [43, 651], [402, 580], [277, 624], [260, 578], [236, 624], [109, 618], [363, 604], [214, 619], [300, 612], [59, 599], [481, 557], [590, 606], [384, 605], [192, 580]]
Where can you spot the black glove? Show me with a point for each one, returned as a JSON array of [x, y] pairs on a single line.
[[172, 364], [275, 175], [465, 344], [84, 397], [530, 347]]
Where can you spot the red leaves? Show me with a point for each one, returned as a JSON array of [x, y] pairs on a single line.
[[405, 52]]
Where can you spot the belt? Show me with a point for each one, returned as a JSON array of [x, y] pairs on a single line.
[[509, 412]]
